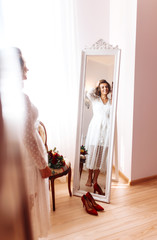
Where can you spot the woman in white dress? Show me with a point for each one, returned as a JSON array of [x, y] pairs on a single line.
[[97, 139], [36, 166]]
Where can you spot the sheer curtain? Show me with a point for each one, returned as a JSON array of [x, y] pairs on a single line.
[[45, 31]]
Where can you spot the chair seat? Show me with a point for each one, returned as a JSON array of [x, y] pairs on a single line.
[[60, 170]]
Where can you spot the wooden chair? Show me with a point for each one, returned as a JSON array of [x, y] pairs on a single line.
[[56, 173]]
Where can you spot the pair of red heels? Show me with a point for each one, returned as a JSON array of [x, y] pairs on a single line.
[[91, 206]]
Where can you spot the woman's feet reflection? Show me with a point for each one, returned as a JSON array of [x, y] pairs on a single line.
[[89, 183], [90, 177], [92, 180]]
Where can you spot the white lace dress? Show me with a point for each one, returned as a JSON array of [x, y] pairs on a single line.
[[97, 139], [36, 158]]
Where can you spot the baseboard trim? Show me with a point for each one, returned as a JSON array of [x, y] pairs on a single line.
[[136, 181], [123, 176], [140, 180]]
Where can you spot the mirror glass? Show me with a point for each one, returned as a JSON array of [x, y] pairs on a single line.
[[96, 121]]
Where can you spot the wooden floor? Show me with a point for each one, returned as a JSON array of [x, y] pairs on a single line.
[[132, 214]]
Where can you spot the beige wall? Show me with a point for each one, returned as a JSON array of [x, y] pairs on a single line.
[[144, 149], [123, 33]]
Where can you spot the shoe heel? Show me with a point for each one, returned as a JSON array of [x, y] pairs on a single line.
[[82, 201], [98, 189]]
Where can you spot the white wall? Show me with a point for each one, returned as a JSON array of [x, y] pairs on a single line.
[[93, 21], [123, 33], [145, 111]]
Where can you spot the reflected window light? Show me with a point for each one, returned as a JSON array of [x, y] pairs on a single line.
[[52, 58]]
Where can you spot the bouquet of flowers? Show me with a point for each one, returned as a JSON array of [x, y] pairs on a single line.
[[55, 160], [83, 150]]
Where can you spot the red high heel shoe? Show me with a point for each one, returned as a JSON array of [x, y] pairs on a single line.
[[95, 205], [88, 205], [98, 189]]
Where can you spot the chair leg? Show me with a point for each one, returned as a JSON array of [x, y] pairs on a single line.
[[53, 193], [49, 185], [81, 167], [69, 182]]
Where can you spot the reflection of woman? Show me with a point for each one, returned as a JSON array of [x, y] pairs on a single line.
[[36, 167], [97, 140]]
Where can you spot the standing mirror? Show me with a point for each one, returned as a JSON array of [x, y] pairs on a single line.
[[96, 121]]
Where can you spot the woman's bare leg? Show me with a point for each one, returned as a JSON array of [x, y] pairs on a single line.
[[96, 174], [89, 180]]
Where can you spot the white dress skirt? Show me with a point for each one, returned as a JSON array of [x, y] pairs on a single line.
[[35, 158], [97, 139]]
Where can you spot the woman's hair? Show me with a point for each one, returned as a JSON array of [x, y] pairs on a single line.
[[19, 53], [97, 89]]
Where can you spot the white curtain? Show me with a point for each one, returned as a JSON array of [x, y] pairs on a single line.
[[45, 31]]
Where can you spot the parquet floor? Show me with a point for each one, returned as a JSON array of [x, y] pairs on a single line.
[[131, 215]]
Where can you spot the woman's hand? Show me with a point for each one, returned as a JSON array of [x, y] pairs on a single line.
[[46, 172], [97, 84]]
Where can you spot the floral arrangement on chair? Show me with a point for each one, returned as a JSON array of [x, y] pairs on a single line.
[[83, 150], [55, 160], [83, 153]]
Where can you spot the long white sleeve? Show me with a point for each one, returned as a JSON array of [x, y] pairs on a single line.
[[32, 139], [91, 94]]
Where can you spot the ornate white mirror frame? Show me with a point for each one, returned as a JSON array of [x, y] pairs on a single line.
[[100, 48]]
